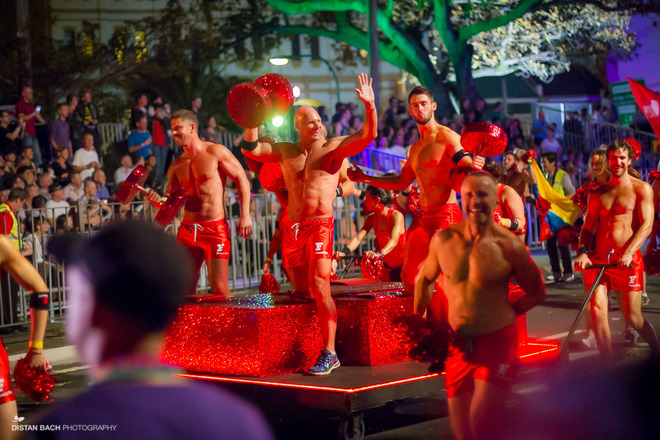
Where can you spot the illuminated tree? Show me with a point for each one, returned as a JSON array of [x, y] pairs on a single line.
[[437, 40]]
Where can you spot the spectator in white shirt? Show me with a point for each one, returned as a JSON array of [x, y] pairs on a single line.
[[74, 190], [56, 206], [86, 159], [124, 170]]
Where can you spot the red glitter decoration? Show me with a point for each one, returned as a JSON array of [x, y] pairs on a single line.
[[529, 156], [414, 203], [255, 335], [268, 284], [271, 177], [653, 175], [368, 330], [483, 139], [652, 262], [427, 339], [497, 217], [371, 266], [581, 196], [249, 105], [636, 147], [279, 91], [34, 382]]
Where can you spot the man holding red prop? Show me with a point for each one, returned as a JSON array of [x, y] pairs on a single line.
[[202, 170], [431, 159], [622, 212], [477, 260], [311, 170]]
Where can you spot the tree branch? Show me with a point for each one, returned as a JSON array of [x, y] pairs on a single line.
[[467, 32], [311, 6]]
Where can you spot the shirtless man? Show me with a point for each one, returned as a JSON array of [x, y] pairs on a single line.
[[27, 276], [477, 259], [622, 211], [430, 160], [202, 170], [311, 170]]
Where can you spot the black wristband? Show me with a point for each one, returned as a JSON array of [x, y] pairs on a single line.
[[583, 250], [456, 158], [363, 194], [39, 301], [404, 193], [245, 145], [340, 191], [346, 250], [514, 225]]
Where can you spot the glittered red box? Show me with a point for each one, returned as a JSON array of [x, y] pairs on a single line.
[[367, 328], [256, 335]]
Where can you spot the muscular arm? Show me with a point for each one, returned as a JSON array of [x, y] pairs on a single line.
[[264, 152], [394, 183], [430, 272], [528, 276], [645, 213], [233, 169], [587, 235], [515, 209], [398, 228], [346, 184], [358, 141]]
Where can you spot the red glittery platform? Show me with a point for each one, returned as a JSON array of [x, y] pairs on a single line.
[[367, 332], [256, 335]]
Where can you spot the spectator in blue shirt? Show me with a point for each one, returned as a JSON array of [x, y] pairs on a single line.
[[139, 141]]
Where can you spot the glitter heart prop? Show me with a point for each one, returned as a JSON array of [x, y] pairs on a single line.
[[482, 139]]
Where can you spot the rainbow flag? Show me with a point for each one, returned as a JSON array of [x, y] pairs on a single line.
[[556, 210]]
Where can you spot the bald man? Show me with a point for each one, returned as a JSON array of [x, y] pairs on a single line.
[[311, 170]]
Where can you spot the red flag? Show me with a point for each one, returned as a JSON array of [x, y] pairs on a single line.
[[649, 102]]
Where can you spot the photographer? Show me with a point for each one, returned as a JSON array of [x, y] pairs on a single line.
[[9, 132]]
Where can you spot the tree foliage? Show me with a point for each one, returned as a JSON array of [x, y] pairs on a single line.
[[436, 40]]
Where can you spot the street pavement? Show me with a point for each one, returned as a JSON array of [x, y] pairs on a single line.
[[413, 419]]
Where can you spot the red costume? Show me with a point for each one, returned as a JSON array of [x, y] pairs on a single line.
[[211, 237], [311, 240], [624, 279], [492, 358]]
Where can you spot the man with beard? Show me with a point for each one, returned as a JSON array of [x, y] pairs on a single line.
[[431, 158], [202, 170], [622, 210]]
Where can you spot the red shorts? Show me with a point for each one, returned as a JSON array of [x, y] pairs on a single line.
[[311, 240], [7, 393], [211, 237], [420, 233], [625, 280], [492, 358], [288, 241]]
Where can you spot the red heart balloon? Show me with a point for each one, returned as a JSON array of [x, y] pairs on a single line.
[[279, 90], [483, 139], [249, 105]]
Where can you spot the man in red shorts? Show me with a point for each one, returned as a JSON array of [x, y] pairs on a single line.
[[202, 170], [430, 160], [477, 259], [622, 212], [311, 170], [27, 276]]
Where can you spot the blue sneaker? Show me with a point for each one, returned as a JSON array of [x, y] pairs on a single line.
[[324, 364]]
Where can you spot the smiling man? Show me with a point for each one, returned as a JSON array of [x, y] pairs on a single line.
[[202, 170], [477, 259], [622, 212]]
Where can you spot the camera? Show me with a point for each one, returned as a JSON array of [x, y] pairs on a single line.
[[38, 108]]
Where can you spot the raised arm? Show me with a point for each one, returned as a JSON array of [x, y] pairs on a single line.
[[515, 209], [430, 272], [358, 141], [259, 151], [233, 169], [394, 183]]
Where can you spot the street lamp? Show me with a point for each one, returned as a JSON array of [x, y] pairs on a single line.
[[282, 60]]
